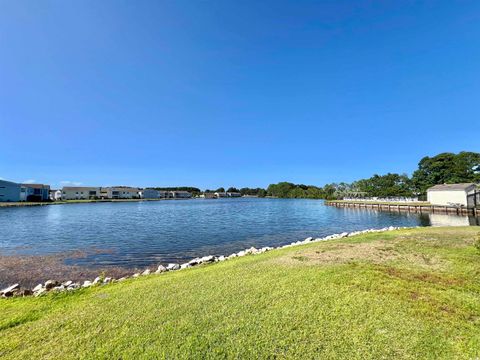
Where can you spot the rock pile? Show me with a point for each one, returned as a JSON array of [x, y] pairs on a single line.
[[55, 286]]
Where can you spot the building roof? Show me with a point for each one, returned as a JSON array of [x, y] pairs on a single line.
[[9, 182], [36, 186], [80, 188], [452, 187], [123, 189]]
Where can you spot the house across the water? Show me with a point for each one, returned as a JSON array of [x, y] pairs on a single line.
[[80, 192], [11, 192]]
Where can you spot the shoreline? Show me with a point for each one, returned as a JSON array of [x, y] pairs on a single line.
[[16, 290], [66, 202]]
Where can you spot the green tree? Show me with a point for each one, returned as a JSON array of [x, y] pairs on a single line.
[[446, 168]]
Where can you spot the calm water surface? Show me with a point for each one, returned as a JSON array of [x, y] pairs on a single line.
[[135, 234]]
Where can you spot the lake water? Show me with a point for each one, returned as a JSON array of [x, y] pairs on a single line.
[[137, 234]]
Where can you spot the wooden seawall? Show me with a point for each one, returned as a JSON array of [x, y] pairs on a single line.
[[408, 207]]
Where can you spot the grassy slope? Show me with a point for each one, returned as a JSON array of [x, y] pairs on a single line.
[[403, 294]]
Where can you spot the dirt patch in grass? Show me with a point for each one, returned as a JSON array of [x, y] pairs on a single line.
[[377, 252], [427, 277]]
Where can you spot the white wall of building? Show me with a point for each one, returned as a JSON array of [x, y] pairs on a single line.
[[80, 193], [447, 197]]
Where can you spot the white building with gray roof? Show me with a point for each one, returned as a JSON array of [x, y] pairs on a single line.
[[453, 195]]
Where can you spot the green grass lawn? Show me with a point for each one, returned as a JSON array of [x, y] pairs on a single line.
[[400, 295]]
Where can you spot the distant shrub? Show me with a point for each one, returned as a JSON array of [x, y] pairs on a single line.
[[477, 242]]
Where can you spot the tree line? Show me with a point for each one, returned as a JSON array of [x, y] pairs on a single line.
[[444, 168]]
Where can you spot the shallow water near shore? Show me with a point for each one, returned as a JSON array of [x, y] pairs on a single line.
[[83, 239]]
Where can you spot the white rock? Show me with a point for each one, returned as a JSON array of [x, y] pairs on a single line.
[[308, 239], [221, 258], [59, 288], [97, 280], [185, 266], [208, 258], [136, 275], [171, 267], [38, 288], [241, 253], [122, 279], [67, 283], [107, 280], [87, 284], [146, 272], [160, 269], [9, 290]]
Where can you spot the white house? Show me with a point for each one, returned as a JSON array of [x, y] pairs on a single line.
[[180, 194], [80, 192], [234, 194], [55, 195], [154, 194], [123, 193], [452, 194]]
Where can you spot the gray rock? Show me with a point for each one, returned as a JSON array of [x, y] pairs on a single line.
[[160, 269], [24, 292], [9, 291], [73, 286], [171, 267], [50, 284], [195, 261]]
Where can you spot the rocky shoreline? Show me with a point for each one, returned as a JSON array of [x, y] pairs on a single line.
[[16, 290]]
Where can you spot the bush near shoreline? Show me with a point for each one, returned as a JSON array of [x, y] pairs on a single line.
[[402, 294]]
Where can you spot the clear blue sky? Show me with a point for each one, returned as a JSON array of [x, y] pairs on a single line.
[[234, 93]]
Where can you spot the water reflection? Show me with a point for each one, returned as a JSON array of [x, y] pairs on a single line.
[[451, 220]]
